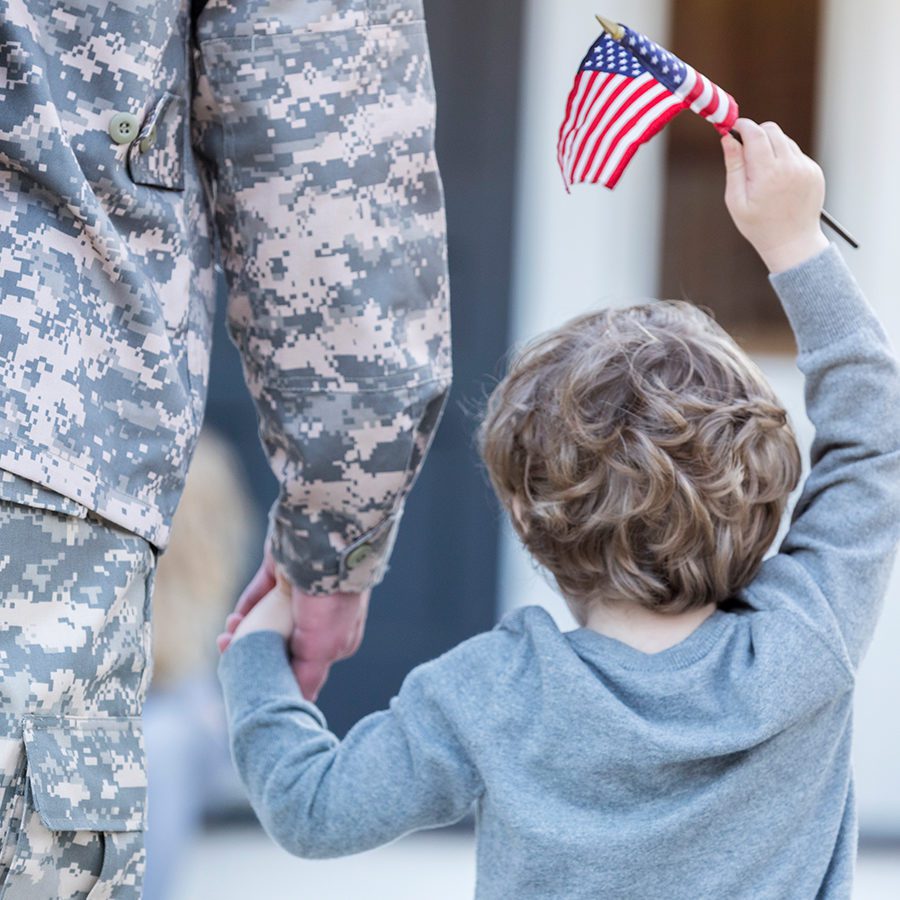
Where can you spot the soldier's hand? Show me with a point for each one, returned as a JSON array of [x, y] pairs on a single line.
[[326, 629]]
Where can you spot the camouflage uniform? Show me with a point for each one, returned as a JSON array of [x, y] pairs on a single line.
[[74, 602], [140, 142]]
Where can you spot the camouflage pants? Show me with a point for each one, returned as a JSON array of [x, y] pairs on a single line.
[[74, 667]]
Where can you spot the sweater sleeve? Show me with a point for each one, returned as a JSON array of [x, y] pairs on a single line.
[[833, 566], [396, 771]]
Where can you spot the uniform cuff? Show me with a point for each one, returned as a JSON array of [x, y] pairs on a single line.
[[822, 300], [360, 565]]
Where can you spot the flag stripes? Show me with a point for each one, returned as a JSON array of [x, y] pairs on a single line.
[[623, 94]]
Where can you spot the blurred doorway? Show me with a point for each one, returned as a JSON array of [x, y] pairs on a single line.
[[764, 54]]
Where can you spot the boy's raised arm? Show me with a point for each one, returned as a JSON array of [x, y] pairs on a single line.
[[833, 566]]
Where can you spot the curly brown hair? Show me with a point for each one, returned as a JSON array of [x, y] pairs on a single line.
[[642, 456]]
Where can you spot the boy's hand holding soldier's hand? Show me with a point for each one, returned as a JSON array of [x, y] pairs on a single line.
[[271, 613], [326, 628], [775, 194], [318, 629]]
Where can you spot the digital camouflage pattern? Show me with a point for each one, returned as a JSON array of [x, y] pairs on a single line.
[[74, 667], [297, 137]]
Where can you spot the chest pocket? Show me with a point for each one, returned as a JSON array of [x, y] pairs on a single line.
[[156, 155]]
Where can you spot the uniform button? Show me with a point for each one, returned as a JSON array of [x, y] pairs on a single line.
[[148, 141], [123, 128], [359, 555]]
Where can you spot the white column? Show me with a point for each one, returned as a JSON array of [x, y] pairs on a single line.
[[859, 149], [579, 251]]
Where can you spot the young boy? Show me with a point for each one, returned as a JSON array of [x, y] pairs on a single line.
[[692, 738]]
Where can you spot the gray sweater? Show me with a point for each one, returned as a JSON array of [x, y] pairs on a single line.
[[719, 768]]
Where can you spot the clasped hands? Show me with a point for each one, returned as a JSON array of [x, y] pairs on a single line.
[[320, 630]]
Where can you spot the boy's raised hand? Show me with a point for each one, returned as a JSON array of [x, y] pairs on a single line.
[[775, 194]]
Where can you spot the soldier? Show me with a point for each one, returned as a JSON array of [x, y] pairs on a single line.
[[137, 137]]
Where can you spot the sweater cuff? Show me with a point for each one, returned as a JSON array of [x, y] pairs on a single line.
[[822, 300], [256, 669]]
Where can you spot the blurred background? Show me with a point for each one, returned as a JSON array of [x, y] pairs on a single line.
[[524, 256]]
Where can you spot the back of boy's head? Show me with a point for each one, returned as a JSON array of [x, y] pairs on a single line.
[[642, 456]]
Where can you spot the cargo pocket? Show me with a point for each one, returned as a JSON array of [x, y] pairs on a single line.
[[23, 492], [156, 155], [83, 810]]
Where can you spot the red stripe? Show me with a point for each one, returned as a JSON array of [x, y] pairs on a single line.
[[696, 90], [567, 118], [562, 139], [572, 93], [598, 138], [585, 129], [655, 126], [725, 126], [713, 104], [629, 125]]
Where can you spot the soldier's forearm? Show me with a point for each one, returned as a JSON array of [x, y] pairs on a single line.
[[346, 463], [330, 212]]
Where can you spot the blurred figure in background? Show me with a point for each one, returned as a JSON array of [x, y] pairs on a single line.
[[198, 579]]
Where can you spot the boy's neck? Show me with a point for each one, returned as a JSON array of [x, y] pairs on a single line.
[[644, 629]]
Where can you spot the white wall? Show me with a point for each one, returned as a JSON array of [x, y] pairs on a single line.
[[859, 148], [593, 247]]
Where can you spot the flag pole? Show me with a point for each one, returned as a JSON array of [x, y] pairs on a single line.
[[613, 29], [617, 32]]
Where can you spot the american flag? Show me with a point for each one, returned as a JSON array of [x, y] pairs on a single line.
[[624, 93]]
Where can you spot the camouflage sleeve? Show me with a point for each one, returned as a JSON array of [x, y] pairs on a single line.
[[314, 125]]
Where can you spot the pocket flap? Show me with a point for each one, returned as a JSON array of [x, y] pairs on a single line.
[[156, 155], [25, 492], [87, 774]]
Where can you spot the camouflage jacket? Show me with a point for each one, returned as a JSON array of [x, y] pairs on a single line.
[[145, 142]]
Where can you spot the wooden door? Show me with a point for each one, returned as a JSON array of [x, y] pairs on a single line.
[[764, 54]]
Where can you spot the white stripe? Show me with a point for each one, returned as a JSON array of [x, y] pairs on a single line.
[[714, 99], [722, 111], [610, 114], [602, 89], [640, 126], [613, 132], [705, 97], [583, 79], [604, 83], [687, 85]]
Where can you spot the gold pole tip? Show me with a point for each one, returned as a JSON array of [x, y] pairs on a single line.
[[613, 29]]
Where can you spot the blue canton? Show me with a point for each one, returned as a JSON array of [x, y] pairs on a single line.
[[635, 55]]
